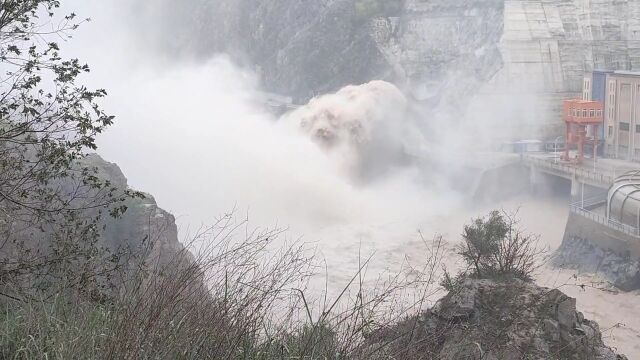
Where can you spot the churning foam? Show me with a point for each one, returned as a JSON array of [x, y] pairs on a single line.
[[364, 128]]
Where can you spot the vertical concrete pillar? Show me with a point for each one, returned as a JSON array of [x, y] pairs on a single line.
[[533, 178], [576, 187]]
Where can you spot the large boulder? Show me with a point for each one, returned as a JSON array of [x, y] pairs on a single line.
[[621, 270], [507, 319], [143, 224]]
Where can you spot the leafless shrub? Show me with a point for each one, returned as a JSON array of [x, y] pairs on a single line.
[[239, 293]]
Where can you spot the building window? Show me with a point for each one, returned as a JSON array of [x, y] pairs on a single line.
[[638, 128], [584, 113], [599, 113], [624, 126], [592, 113]]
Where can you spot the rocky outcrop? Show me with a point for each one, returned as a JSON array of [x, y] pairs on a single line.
[[99, 235], [443, 51], [594, 247], [143, 224], [580, 254], [486, 319]]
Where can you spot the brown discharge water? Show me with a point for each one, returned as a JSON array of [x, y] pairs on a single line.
[[396, 241]]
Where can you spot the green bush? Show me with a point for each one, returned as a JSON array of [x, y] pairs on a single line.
[[494, 246]]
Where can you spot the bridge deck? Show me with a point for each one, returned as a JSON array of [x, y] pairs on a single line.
[[601, 174]]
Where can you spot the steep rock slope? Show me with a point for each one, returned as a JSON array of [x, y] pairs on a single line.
[[486, 319], [299, 48], [444, 52], [143, 222]]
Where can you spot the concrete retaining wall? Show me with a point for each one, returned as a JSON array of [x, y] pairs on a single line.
[[602, 236]]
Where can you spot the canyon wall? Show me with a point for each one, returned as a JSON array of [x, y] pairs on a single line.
[[458, 57]]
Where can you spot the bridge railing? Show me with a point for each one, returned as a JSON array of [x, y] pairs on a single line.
[[580, 209], [592, 203], [583, 173]]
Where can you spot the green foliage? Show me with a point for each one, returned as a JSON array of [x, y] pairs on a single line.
[[482, 241], [493, 246], [51, 202]]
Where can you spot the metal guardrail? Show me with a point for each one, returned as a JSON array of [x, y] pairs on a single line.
[[578, 208], [573, 170], [592, 202]]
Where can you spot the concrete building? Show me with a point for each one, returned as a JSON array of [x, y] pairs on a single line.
[[583, 118], [594, 88], [622, 115]]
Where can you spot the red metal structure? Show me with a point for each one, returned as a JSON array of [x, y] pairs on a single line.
[[582, 119]]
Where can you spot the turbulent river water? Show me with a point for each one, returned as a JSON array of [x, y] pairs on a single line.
[[192, 137], [618, 313]]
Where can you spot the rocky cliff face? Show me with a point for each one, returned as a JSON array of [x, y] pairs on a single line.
[[143, 222], [444, 52], [88, 250], [486, 319], [304, 48]]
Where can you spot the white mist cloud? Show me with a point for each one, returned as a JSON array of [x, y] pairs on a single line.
[[193, 135]]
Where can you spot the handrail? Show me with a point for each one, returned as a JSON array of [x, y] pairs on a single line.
[[587, 203], [613, 224], [581, 172]]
